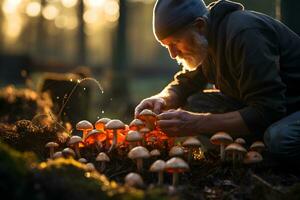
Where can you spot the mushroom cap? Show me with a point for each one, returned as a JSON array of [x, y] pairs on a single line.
[[158, 166], [176, 165], [134, 180], [75, 139], [136, 123], [57, 154], [82, 160], [134, 136], [235, 147], [155, 152], [252, 157], [102, 157], [147, 112], [115, 124], [66, 152], [95, 135], [176, 151], [191, 142], [100, 124], [144, 130], [221, 138], [240, 141], [51, 144], [84, 125], [257, 146], [138, 152], [90, 167]]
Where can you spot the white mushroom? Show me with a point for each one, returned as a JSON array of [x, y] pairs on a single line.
[[155, 153], [191, 143], [84, 126], [149, 118], [159, 167], [102, 158], [176, 151], [75, 141], [235, 149], [139, 153], [68, 153], [252, 157], [257, 146], [57, 155], [134, 138], [82, 160], [51, 146], [175, 166], [134, 180], [222, 139], [114, 125]]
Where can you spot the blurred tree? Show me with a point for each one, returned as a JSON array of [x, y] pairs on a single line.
[[81, 49], [290, 14]]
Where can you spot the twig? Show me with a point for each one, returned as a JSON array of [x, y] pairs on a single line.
[[264, 182]]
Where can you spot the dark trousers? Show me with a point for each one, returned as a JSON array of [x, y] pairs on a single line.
[[282, 138]]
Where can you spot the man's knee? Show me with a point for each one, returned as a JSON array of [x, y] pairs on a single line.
[[273, 139]]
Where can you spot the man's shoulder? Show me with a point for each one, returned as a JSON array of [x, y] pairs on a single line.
[[242, 20]]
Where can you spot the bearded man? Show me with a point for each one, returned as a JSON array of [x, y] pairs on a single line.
[[251, 58]]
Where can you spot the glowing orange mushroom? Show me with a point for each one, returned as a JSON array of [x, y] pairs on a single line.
[[117, 127], [100, 124], [95, 137], [149, 118], [84, 126]]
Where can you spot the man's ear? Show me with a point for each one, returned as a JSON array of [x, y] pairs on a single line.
[[200, 24]]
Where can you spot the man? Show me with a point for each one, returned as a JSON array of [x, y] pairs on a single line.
[[252, 59]]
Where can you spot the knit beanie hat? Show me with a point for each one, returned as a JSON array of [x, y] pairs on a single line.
[[170, 16]]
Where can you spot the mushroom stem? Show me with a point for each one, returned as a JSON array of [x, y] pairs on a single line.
[[102, 167], [76, 147], [222, 147], [160, 177], [175, 179], [139, 164], [51, 152], [115, 139], [84, 134], [190, 156]]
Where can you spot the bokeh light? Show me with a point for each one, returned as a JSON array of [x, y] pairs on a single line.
[[69, 3], [50, 12], [33, 9]]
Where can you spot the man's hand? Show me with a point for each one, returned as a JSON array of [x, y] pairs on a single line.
[[180, 122], [156, 104]]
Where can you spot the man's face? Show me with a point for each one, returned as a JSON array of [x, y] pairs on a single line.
[[189, 48]]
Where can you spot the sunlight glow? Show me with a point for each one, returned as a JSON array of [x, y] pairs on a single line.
[[69, 3], [33, 9], [50, 12], [10, 6]]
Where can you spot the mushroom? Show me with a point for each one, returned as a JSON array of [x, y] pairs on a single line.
[[84, 126], [144, 131], [252, 157], [222, 139], [82, 160], [114, 125], [90, 167], [133, 137], [51, 146], [102, 158], [235, 149], [159, 167], [191, 143], [257, 146], [136, 125], [75, 141], [134, 180], [139, 153], [57, 155], [240, 141], [95, 137], [68, 153], [100, 124], [149, 118], [176, 165], [155, 153], [176, 151]]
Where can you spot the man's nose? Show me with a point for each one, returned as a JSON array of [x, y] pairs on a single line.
[[173, 51]]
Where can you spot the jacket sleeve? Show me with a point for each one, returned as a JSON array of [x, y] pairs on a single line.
[[254, 57], [186, 83]]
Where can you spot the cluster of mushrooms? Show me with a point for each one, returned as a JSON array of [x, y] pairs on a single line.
[[108, 135], [236, 151]]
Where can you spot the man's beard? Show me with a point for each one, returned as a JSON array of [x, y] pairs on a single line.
[[191, 61]]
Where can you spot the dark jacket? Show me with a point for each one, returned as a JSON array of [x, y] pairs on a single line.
[[254, 59]]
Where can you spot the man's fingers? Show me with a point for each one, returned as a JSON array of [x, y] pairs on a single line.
[[141, 107], [157, 107], [168, 115], [168, 123]]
